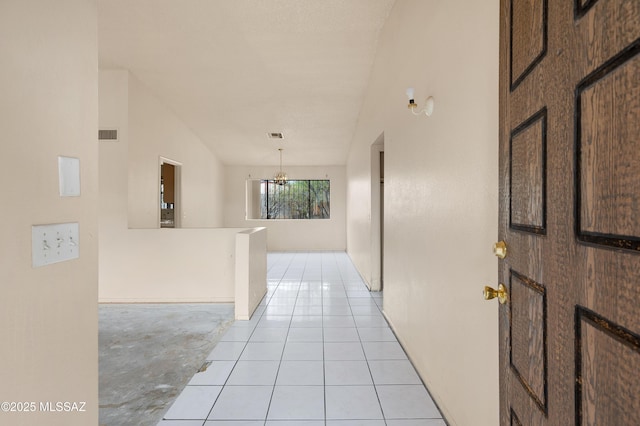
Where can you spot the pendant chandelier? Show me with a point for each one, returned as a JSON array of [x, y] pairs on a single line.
[[280, 177]]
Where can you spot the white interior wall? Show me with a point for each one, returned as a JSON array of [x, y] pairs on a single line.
[[148, 265], [441, 196], [113, 113], [49, 314], [295, 234], [154, 132]]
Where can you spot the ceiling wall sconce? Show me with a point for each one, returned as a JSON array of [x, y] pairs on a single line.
[[281, 177], [428, 104]]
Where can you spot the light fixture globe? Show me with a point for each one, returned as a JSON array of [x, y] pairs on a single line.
[[428, 104]]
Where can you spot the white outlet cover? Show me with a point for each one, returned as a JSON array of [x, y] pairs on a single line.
[[54, 243], [69, 176]]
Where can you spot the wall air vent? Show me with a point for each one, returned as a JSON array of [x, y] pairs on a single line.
[[108, 134], [275, 135]]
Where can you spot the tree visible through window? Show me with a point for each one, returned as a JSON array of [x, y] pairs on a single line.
[[297, 199]]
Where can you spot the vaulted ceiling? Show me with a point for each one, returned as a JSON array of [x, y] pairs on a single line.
[[236, 70]]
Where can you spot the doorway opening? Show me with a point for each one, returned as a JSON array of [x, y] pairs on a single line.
[[377, 214], [169, 211], [381, 220]]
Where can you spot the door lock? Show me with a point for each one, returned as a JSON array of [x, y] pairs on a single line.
[[500, 249]]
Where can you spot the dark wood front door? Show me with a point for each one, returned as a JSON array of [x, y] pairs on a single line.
[[570, 212]]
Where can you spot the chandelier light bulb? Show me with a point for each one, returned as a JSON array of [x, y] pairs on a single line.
[[280, 177]]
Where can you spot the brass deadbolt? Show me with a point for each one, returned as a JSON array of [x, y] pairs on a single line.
[[500, 249]]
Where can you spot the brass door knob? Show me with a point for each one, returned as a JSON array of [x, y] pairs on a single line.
[[500, 249], [491, 293]]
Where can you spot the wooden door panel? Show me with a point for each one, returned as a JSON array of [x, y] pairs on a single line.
[[570, 212], [524, 411], [607, 152], [607, 366], [603, 29], [528, 336], [528, 33], [528, 151]]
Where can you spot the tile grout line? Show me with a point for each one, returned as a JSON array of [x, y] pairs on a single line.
[[324, 367], [236, 362], [273, 390], [373, 384], [254, 328], [327, 264]]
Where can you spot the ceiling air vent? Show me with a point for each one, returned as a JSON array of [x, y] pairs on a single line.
[[108, 134], [275, 135]]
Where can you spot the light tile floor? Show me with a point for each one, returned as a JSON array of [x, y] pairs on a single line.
[[317, 352]]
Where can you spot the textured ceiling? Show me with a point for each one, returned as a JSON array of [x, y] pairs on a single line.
[[234, 70]]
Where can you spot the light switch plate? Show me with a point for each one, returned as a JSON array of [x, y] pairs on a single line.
[[54, 243], [69, 176]]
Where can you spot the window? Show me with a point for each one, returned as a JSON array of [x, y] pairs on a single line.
[[297, 199]]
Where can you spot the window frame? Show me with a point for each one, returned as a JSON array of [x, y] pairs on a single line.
[[268, 188]]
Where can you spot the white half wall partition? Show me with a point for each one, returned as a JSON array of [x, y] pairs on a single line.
[[184, 265], [251, 271], [169, 265]]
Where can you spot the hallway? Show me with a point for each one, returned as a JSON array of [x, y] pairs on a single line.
[[316, 352]]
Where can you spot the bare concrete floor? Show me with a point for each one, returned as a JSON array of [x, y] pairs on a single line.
[[149, 352]]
